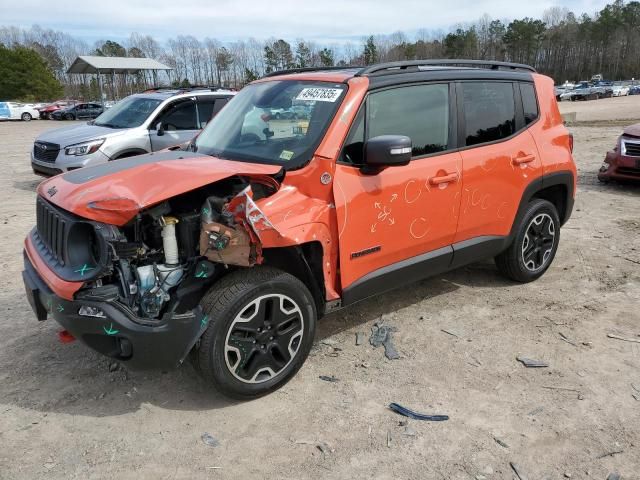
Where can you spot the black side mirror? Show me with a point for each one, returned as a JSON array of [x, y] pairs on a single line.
[[159, 129], [386, 151]]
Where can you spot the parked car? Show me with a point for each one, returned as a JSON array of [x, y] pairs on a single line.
[[623, 161], [140, 123], [17, 111], [47, 111], [233, 247], [620, 90], [634, 90], [79, 111]]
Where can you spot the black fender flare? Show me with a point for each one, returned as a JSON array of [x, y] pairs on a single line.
[[563, 177]]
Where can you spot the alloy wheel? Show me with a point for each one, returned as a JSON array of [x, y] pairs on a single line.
[[264, 338], [538, 242]]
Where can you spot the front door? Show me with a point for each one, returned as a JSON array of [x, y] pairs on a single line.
[[391, 218], [179, 125]]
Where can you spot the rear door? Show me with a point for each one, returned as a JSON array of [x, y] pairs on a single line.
[[388, 219], [179, 124], [499, 158]]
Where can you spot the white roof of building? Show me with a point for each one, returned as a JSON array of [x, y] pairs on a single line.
[[95, 64]]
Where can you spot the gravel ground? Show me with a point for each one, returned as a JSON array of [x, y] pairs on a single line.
[[64, 414]]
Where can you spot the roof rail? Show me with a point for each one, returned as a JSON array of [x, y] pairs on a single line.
[[307, 69], [402, 66], [212, 88]]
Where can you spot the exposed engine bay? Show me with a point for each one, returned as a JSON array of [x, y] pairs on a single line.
[[184, 243]]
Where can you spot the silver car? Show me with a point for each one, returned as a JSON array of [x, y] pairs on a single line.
[[138, 124]]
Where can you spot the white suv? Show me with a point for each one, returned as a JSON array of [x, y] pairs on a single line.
[[141, 123]]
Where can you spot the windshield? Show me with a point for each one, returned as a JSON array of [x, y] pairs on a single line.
[[128, 113], [278, 122]]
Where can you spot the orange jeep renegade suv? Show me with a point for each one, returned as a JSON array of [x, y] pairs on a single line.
[[232, 247]]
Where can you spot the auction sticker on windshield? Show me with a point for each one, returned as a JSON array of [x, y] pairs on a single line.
[[319, 94]]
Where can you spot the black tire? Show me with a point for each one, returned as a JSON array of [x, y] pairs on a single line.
[[26, 117], [534, 246], [69, 116], [236, 364]]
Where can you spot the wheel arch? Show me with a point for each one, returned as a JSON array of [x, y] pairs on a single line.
[[304, 262], [557, 188], [129, 152]]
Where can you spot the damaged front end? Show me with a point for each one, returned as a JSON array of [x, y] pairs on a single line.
[[142, 281]]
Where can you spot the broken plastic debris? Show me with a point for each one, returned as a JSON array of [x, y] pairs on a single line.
[[532, 363], [210, 440], [328, 379], [381, 335], [415, 415]]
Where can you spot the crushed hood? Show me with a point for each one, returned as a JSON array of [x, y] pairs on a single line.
[[116, 191], [632, 130]]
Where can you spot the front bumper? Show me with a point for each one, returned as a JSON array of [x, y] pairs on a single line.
[[620, 167], [64, 163], [119, 334]]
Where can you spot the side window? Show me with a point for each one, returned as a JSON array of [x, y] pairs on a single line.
[[529, 102], [420, 112], [208, 108], [180, 116], [489, 111], [205, 110]]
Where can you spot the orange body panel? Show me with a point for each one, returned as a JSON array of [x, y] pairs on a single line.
[[399, 211], [549, 132], [143, 186]]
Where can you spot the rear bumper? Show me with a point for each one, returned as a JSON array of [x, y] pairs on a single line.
[[620, 167], [118, 333]]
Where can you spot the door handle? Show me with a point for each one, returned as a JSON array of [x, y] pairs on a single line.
[[451, 177], [521, 159]]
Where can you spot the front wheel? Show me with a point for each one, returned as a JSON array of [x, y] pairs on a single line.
[[535, 243], [261, 328], [69, 116], [26, 117]]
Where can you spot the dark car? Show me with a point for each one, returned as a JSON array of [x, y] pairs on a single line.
[[623, 162], [78, 112]]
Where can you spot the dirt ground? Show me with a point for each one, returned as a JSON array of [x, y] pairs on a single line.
[[64, 414]]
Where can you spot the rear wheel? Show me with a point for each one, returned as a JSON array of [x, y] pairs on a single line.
[[535, 244], [262, 323], [26, 117], [69, 116]]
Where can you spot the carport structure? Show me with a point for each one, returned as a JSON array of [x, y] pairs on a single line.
[[88, 64]]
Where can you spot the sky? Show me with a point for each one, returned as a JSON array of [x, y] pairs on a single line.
[[323, 21]]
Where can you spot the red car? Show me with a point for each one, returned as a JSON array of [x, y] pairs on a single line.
[[623, 162], [47, 111]]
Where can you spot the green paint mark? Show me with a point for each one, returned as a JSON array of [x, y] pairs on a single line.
[[110, 330], [49, 305], [60, 308], [201, 274], [82, 270], [204, 321], [205, 211]]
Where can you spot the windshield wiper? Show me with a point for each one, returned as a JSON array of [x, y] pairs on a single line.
[[108, 125]]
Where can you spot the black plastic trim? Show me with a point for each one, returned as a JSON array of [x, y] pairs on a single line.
[[398, 274], [478, 248], [120, 334]]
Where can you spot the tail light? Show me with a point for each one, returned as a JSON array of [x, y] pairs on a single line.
[[571, 142]]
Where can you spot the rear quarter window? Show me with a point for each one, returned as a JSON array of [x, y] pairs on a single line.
[[529, 102]]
